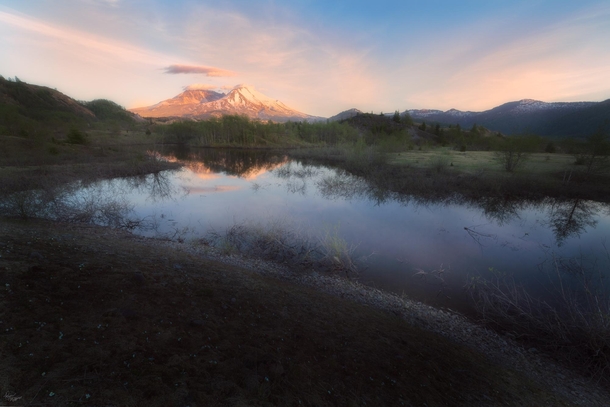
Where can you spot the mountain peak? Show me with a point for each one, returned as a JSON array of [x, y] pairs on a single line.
[[346, 114], [241, 100], [248, 93], [529, 101], [527, 116]]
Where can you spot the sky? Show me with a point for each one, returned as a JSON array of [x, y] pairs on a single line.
[[318, 57]]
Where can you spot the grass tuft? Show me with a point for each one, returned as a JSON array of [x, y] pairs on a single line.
[[277, 241]]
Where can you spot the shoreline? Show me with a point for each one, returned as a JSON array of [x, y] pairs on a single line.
[[447, 323], [138, 286]]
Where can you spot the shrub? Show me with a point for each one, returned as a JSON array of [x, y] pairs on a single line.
[[440, 163], [75, 136], [514, 152]]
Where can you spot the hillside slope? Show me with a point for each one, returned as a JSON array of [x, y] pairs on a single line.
[[27, 110]]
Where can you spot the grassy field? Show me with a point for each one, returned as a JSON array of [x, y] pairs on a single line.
[[472, 162], [34, 163]]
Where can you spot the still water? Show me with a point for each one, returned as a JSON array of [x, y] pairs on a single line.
[[404, 244]]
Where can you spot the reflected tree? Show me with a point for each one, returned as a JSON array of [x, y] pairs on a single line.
[[571, 218], [160, 187], [342, 185], [500, 209]]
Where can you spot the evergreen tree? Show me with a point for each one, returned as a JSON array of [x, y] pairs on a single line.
[[407, 119], [437, 129], [396, 117]]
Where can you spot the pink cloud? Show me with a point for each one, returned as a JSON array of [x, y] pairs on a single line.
[[200, 86], [198, 69], [79, 40]]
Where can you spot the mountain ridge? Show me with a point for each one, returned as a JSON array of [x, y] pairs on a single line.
[[527, 116]]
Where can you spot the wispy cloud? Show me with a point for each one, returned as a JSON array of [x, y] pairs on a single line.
[[78, 39], [284, 58], [562, 60], [198, 69], [112, 3], [297, 54]]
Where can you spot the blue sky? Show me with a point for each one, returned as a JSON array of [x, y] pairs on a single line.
[[319, 57]]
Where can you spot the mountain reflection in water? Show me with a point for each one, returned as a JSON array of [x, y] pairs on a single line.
[[404, 243]]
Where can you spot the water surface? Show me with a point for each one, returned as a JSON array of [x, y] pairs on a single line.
[[404, 244]]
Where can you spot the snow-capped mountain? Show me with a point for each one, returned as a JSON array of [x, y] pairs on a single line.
[[241, 100], [526, 116], [186, 103], [521, 106]]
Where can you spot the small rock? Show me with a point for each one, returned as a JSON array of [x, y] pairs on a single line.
[[139, 278], [197, 322], [36, 255]]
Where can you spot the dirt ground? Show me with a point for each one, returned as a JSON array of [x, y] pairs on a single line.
[[100, 317]]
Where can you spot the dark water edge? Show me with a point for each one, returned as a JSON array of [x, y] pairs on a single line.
[[407, 232], [464, 236]]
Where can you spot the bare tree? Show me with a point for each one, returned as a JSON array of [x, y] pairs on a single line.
[[513, 153], [595, 153]]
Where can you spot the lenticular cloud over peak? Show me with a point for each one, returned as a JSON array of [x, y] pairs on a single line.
[[198, 69]]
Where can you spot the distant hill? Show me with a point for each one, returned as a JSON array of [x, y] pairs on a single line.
[[346, 114], [376, 125], [27, 108], [577, 119], [241, 100]]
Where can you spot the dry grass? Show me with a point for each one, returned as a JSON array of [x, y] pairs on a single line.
[[337, 252], [279, 241], [469, 177], [477, 161], [572, 322]]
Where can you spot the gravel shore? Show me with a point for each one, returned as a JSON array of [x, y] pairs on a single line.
[[452, 325]]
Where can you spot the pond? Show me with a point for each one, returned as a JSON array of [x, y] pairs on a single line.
[[424, 249]]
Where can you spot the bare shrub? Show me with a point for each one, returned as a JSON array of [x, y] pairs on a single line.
[[440, 163], [72, 202], [514, 152], [573, 323]]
